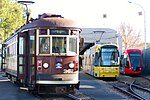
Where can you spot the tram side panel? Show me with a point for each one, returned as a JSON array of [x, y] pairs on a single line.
[[88, 62], [10, 54]]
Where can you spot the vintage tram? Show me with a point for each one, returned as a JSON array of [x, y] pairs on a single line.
[[102, 60], [131, 62], [43, 55]]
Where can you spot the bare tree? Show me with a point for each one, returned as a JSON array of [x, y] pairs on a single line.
[[130, 38]]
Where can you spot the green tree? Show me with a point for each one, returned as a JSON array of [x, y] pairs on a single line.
[[11, 17]]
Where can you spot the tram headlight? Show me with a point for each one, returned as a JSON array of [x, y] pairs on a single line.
[[71, 65], [45, 65]]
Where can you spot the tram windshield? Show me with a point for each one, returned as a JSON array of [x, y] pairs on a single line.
[[59, 45], [109, 56], [135, 59], [58, 42], [44, 45], [72, 45]]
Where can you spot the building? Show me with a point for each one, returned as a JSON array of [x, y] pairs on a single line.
[[90, 36]]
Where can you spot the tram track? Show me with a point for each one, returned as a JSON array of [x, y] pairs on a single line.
[[134, 92], [68, 96], [129, 89], [125, 91], [147, 78], [134, 85], [142, 81], [79, 96]]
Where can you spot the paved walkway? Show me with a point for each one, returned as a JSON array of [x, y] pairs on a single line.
[[97, 89]]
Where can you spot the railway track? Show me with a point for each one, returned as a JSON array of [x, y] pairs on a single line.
[[68, 96], [134, 85], [133, 90], [78, 96], [147, 78], [141, 80]]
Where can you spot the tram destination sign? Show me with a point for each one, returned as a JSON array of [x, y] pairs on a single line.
[[58, 32], [109, 50]]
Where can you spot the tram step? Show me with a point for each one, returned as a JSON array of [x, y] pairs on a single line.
[[24, 88]]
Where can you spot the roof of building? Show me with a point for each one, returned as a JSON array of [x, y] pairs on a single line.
[[103, 35]]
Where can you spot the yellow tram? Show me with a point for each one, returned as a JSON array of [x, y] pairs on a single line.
[[102, 60]]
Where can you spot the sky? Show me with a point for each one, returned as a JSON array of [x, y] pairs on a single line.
[[89, 13]]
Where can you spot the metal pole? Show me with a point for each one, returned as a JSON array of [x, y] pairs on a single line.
[[27, 11], [144, 14]]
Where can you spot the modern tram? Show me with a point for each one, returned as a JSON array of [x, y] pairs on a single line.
[[131, 62], [102, 60], [43, 55]]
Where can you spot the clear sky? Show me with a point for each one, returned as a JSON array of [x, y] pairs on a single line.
[[89, 13]]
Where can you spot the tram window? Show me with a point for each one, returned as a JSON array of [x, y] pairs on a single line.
[[32, 70], [96, 62], [59, 45], [21, 70], [7, 51], [21, 45], [43, 31], [32, 45], [73, 45], [44, 45], [74, 32], [21, 61], [109, 56], [32, 60], [58, 32]]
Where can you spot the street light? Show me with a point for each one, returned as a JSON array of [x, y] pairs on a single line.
[[27, 10], [144, 21]]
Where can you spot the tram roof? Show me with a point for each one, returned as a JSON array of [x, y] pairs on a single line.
[[50, 22]]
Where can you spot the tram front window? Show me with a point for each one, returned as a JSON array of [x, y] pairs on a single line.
[[72, 45], [109, 56], [135, 59], [44, 45], [59, 45]]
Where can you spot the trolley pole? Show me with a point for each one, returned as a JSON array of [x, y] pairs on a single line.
[[27, 10]]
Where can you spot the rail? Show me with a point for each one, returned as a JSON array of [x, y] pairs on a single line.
[[131, 91]]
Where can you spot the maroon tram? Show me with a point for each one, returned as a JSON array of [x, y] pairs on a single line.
[[43, 55], [131, 62]]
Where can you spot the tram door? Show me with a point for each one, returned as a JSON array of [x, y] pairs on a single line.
[[26, 57]]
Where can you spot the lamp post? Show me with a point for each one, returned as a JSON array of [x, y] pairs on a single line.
[[27, 10], [144, 21]]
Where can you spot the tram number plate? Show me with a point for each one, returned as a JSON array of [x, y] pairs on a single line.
[[68, 70]]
